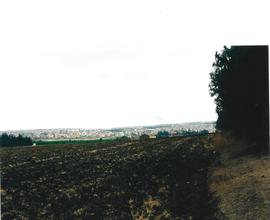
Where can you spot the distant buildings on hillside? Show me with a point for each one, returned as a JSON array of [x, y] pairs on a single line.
[[131, 132]]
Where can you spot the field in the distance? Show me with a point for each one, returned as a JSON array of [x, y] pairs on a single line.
[[153, 179]]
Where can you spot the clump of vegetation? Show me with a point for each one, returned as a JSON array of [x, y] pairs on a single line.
[[239, 83], [144, 137], [155, 179], [163, 134], [123, 139], [11, 140], [194, 133]]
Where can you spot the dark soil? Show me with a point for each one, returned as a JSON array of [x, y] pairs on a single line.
[[154, 179]]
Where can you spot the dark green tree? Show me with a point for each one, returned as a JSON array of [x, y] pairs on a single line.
[[4, 140], [124, 139], [144, 137], [11, 140], [193, 133], [239, 83], [163, 134]]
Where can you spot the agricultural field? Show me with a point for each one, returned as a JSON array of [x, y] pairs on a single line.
[[152, 179]]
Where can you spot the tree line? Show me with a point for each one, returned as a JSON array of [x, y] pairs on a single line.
[[239, 83], [12, 140]]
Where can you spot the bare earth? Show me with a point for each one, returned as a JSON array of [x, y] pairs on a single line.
[[243, 186]]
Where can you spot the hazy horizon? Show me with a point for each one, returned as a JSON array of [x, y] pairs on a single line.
[[114, 64], [108, 128]]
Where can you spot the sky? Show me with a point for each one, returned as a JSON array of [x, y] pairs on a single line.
[[103, 64]]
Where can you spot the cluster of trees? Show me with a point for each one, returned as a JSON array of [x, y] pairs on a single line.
[[193, 133], [163, 134], [11, 140], [239, 83], [144, 137], [123, 139]]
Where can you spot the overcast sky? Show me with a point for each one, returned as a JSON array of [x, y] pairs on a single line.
[[102, 64]]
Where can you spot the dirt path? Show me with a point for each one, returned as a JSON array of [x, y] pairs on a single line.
[[243, 185]]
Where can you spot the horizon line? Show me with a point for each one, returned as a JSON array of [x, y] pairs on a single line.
[[162, 124]]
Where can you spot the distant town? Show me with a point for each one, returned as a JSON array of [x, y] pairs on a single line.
[[131, 132]]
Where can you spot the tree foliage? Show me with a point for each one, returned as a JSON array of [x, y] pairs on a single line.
[[193, 133], [239, 83], [144, 137], [11, 140], [163, 134]]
